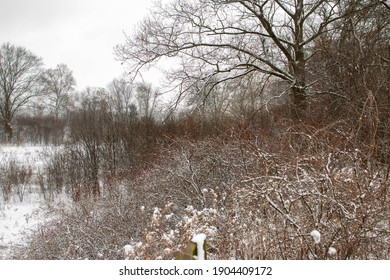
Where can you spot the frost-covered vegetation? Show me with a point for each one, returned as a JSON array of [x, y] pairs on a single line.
[[22, 204], [266, 169], [253, 198]]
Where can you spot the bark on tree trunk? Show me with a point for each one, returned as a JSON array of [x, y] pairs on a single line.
[[9, 133], [298, 102], [298, 67], [298, 89]]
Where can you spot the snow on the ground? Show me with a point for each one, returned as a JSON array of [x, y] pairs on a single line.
[[33, 156], [18, 219]]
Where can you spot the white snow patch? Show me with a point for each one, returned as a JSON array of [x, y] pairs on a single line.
[[199, 241], [17, 221], [128, 249], [169, 216], [332, 251], [316, 236], [25, 155]]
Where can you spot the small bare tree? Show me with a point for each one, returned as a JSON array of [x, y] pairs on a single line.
[[19, 72]]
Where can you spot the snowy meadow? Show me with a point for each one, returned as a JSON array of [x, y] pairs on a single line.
[[22, 207]]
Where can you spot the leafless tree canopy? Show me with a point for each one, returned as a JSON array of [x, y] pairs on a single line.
[[56, 85], [146, 99], [19, 69], [230, 39], [121, 93]]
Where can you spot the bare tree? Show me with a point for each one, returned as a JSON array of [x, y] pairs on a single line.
[[355, 68], [228, 39], [57, 84], [146, 99], [19, 70], [211, 104], [121, 94]]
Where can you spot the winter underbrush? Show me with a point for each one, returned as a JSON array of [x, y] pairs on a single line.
[[22, 204], [303, 193]]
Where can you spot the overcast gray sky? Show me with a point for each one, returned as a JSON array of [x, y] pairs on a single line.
[[79, 33]]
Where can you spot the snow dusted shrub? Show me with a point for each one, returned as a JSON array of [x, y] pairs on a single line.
[[195, 173], [74, 170], [254, 198], [24, 177], [6, 182], [268, 200], [15, 178], [92, 228], [51, 178], [316, 186], [55, 173], [168, 234], [61, 172], [86, 230]]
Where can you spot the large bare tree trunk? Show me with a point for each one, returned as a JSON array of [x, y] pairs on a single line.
[[298, 103], [298, 88], [298, 66]]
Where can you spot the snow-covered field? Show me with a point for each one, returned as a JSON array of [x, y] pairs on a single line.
[[18, 219], [33, 156]]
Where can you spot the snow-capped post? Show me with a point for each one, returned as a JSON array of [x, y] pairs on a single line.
[[196, 249], [200, 241]]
